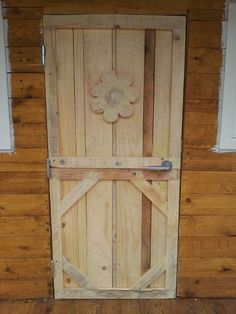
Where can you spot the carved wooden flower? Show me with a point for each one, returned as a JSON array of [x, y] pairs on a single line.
[[114, 96]]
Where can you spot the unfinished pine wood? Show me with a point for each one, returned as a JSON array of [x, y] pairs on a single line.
[[67, 134], [98, 144], [80, 142], [114, 21], [77, 192], [114, 174], [111, 162], [130, 59], [161, 129], [101, 224]]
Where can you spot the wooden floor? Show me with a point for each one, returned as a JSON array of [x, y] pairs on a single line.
[[178, 306]]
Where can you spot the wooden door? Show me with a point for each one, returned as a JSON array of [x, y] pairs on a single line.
[[114, 106]]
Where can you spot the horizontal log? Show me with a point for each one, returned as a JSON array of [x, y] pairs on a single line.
[[203, 105], [200, 159], [111, 162], [25, 289], [23, 183], [22, 13], [29, 111], [24, 205], [36, 247], [202, 86], [27, 33], [109, 4], [25, 59], [200, 118], [205, 34], [208, 204], [208, 225], [208, 182], [206, 15], [25, 269], [207, 267], [27, 85], [204, 60], [37, 226], [207, 287], [24, 160], [210, 246], [199, 135], [30, 135]]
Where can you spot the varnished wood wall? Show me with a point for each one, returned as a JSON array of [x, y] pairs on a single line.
[[207, 243]]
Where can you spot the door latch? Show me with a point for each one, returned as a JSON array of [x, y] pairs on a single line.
[[166, 165]]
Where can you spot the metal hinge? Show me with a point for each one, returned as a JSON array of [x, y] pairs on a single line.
[[53, 268], [48, 168], [43, 54]]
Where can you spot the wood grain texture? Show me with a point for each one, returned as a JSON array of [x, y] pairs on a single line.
[[208, 182], [30, 135], [204, 60], [24, 33], [25, 269], [24, 160], [24, 205], [15, 289], [128, 5], [207, 267], [202, 86], [12, 227], [25, 59], [209, 246], [27, 85], [148, 108], [205, 34], [28, 111], [23, 183], [212, 287], [22, 13]]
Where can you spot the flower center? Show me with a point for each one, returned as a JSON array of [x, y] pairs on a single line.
[[114, 96]]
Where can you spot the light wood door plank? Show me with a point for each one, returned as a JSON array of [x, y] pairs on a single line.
[[97, 59], [67, 133], [163, 72], [153, 273], [130, 61], [80, 138], [152, 194], [75, 273], [56, 234], [175, 151], [77, 192]]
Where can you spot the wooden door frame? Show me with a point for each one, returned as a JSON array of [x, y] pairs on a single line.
[[175, 23]]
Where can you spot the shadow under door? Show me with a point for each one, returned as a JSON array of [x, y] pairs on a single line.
[[114, 109]]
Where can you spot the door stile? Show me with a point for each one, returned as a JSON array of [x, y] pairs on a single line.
[[175, 152]]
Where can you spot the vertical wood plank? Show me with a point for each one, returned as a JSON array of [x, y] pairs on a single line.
[[80, 138], [163, 70], [51, 92], [148, 109], [130, 61], [56, 234], [175, 151], [67, 134], [97, 59]]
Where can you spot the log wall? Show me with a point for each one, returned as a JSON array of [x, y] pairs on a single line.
[[207, 242]]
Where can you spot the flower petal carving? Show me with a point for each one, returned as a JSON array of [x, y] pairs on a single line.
[[114, 95]]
